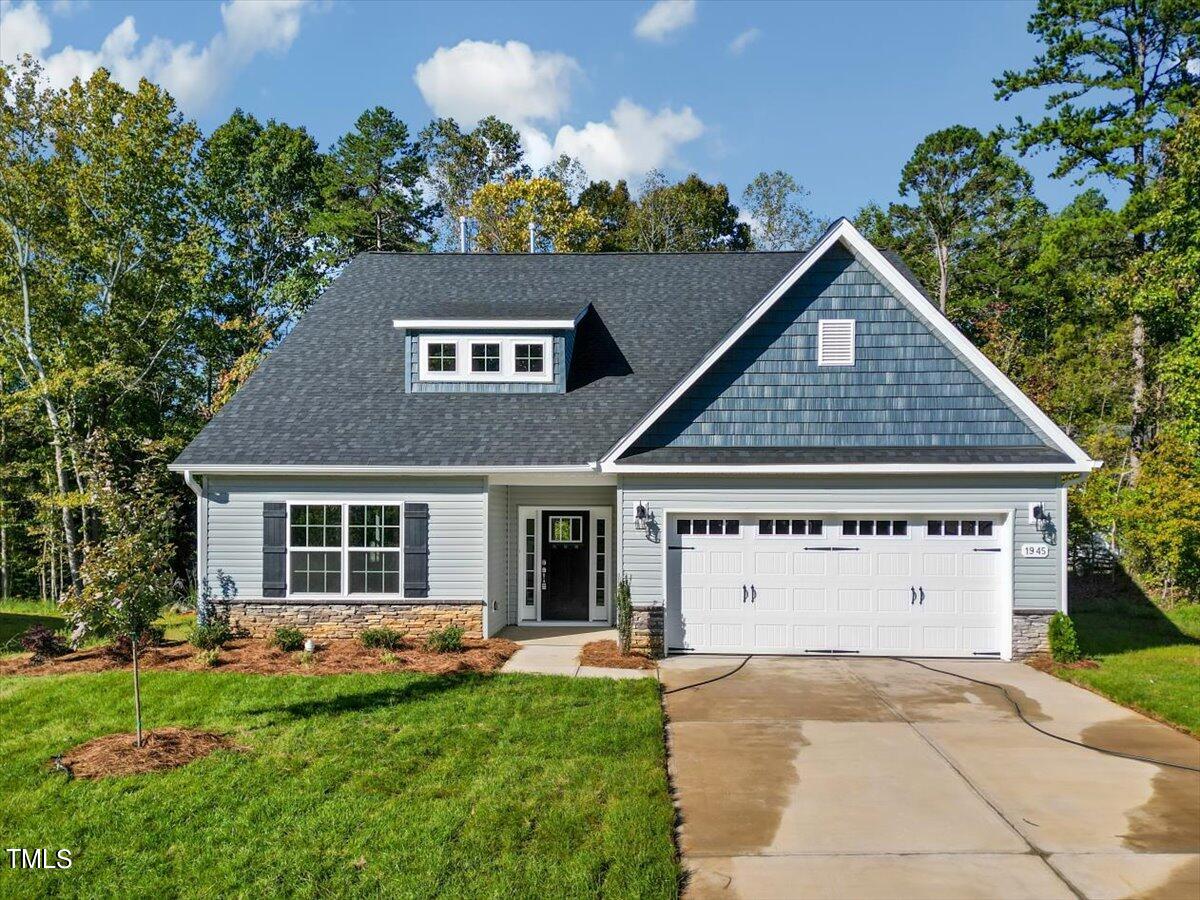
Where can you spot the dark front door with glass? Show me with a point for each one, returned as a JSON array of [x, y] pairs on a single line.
[[565, 566]]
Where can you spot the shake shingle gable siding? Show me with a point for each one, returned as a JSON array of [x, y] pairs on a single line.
[[906, 389], [333, 393]]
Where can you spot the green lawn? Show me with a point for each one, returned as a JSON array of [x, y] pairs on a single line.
[[16, 616], [1149, 658], [396, 785]]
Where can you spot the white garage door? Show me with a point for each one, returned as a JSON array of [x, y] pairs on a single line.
[[891, 584]]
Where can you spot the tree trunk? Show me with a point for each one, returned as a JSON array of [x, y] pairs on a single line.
[[137, 692], [943, 258], [3, 557]]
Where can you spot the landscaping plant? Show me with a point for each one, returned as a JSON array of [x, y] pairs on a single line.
[[448, 640], [210, 634], [43, 643], [381, 638], [126, 577], [1064, 645], [288, 639], [624, 615]]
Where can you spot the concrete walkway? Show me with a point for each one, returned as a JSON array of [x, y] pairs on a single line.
[[555, 651], [873, 778]]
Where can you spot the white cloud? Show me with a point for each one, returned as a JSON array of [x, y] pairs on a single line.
[[665, 17], [531, 90], [744, 40], [68, 7], [23, 29], [474, 79], [632, 142], [194, 76]]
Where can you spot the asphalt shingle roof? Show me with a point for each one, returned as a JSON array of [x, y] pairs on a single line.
[[333, 392]]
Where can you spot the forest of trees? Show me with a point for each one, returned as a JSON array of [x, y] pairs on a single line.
[[148, 267]]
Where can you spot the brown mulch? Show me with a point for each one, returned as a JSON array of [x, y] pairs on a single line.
[[606, 655], [1043, 663], [252, 655], [162, 748]]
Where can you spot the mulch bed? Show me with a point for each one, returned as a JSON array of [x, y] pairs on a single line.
[[252, 655], [162, 748], [1043, 663], [606, 655]]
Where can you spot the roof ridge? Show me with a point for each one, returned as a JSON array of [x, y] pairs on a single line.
[[441, 253]]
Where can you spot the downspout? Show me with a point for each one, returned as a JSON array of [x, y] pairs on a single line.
[[201, 542]]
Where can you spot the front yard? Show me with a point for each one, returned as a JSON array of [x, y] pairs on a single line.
[[401, 784], [1149, 658]]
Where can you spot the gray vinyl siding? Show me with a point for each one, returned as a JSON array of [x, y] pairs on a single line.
[[498, 527], [457, 530], [559, 353], [1035, 581], [907, 387], [550, 496]]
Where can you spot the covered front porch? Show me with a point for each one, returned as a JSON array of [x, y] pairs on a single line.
[[551, 556]]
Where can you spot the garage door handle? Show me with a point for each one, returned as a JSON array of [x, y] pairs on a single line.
[[922, 596], [987, 550], [914, 596], [745, 593], [753, 593]]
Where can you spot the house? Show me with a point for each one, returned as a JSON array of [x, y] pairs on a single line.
[[783, 452]]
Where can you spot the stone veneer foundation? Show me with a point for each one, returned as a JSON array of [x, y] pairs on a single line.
[[346, 620], [648, 632], [1031, 632]]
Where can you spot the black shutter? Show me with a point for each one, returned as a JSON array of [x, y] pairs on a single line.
[[274, 567], [416, 549]]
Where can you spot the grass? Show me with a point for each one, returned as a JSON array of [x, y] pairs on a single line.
[[17, 616], [399, 785], [1149, 658]]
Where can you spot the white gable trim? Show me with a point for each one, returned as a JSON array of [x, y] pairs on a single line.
[[845, 233]]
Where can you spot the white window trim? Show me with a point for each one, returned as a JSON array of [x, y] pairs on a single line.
[[758, 520], [576, 523], [996, 526], [823, 353], [724, 535], [907, 536], [344, 551], [508, 367]]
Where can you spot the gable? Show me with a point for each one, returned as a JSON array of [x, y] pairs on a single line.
[[907, 388]]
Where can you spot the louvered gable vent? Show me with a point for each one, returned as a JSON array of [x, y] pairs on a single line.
[[835, 342]]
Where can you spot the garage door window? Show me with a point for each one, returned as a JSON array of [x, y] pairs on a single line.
[[788, 527], [960, 528], [729, 527], [875, 527]]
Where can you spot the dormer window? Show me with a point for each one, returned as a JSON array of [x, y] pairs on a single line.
[[529, 358], [486, 358]]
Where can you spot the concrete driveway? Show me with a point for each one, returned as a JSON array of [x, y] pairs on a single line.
[[873, 778]]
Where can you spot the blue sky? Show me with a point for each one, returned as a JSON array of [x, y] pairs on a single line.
[[836, 94]]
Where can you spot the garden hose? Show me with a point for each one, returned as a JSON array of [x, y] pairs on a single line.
[[1058, 737]]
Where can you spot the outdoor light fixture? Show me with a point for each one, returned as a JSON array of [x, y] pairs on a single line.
[[639, 519]]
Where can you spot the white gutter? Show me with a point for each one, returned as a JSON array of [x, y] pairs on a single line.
[[850, 468], [484, 324], [201, 537]]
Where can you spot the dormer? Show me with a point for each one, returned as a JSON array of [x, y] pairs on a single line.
[[513, 354]]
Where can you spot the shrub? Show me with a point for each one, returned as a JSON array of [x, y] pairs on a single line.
[[121, 646], [306, 658], [389, 659], [211, 635], [209, 658], [624, 615], [1064, 646], [382, 638], [43, 642], [287, 639], [448, 640]]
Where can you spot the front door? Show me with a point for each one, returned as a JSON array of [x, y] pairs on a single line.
[[564, 574]]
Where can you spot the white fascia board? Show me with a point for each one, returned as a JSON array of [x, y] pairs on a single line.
[[484, 324], [375, 470], [852, 468], [844, 232]]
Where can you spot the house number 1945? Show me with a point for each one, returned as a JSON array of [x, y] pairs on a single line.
[[1035, 551]]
